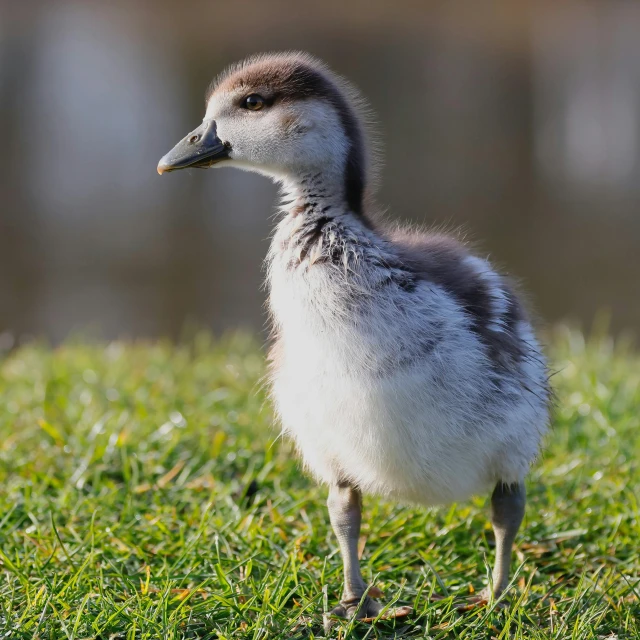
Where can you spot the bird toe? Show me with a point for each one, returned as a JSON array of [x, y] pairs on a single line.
[[366, 610]]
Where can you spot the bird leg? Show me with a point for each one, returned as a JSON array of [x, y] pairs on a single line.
[[345, 508], [345, 512], [507, 511]]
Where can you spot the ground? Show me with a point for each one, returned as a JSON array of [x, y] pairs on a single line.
[[145, 494]]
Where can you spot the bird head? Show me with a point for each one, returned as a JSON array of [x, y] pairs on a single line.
[[283, 115]]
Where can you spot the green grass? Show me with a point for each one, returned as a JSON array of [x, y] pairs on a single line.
[[124, 470]]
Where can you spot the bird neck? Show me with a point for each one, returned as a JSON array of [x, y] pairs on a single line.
[[319, 227], [317, 195]]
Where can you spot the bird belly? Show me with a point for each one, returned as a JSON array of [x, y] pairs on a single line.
[[395, 436]]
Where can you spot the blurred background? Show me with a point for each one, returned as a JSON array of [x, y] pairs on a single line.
[[518, 121]]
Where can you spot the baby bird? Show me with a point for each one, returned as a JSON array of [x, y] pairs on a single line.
[[402, 365]]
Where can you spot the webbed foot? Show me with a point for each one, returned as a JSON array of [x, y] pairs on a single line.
[[365, 610], [482, 599]]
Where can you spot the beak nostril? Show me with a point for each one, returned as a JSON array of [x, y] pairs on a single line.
[[194, 139]]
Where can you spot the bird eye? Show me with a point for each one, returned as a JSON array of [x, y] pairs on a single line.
[[254, 102]]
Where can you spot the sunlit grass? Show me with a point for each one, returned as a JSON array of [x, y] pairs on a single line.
[[126, 474]]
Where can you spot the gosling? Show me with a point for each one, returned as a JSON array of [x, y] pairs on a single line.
[[402, 365]]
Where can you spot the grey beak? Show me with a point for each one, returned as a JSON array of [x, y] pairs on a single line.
[[201, 148]]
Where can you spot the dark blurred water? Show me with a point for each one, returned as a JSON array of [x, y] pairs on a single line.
[[518, 121]]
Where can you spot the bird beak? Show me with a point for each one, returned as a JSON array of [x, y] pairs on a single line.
[[201, 148]]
